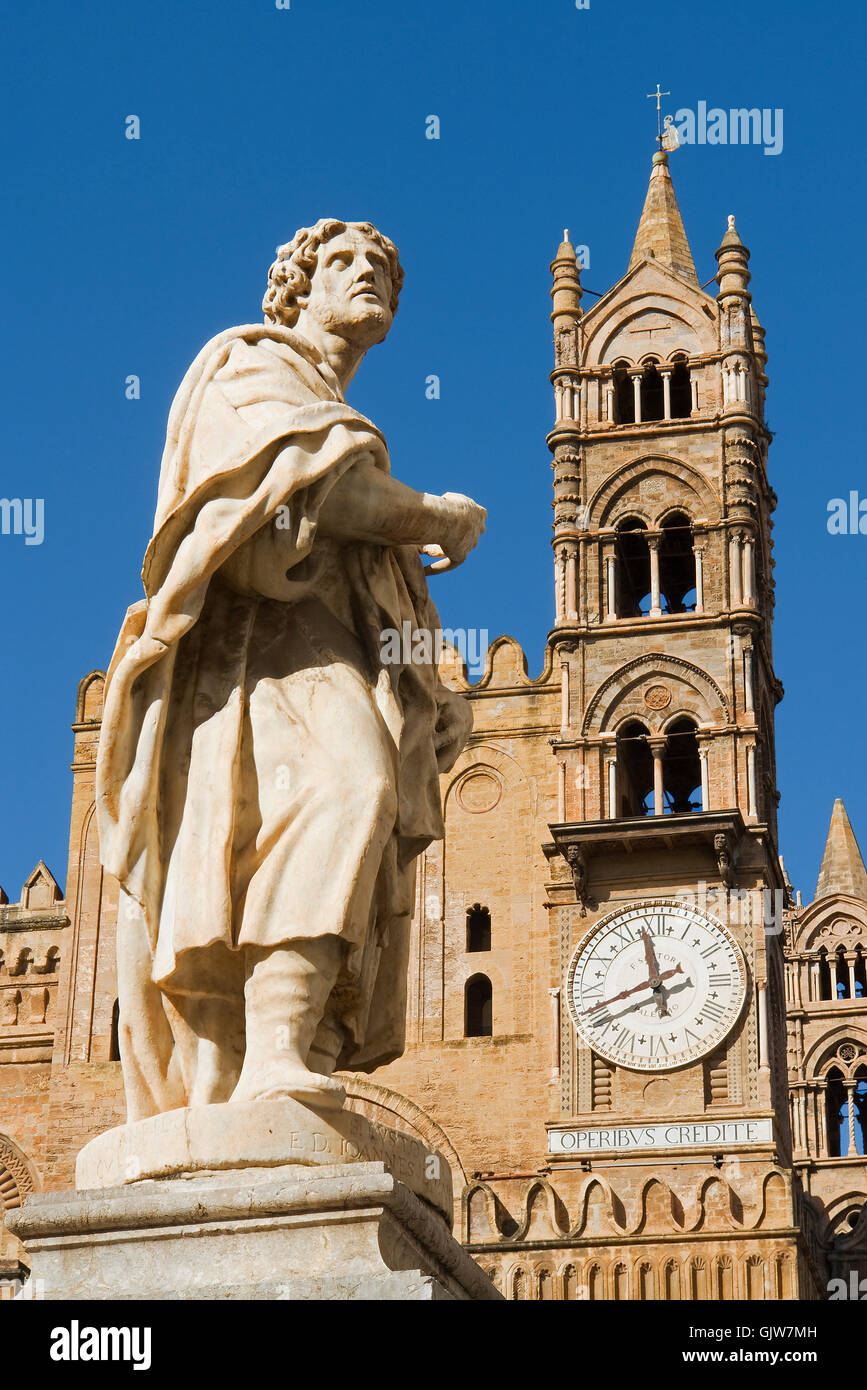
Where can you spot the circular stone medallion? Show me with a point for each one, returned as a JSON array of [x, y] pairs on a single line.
[[478, 792], [657, 696]]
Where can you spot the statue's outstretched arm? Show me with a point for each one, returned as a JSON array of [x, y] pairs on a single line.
[[370, 505]]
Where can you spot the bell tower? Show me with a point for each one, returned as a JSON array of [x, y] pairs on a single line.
[[667, 923]]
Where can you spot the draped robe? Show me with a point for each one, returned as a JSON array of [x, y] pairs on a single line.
[[263, 775]]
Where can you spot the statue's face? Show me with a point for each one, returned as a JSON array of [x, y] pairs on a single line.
[[351, 289]]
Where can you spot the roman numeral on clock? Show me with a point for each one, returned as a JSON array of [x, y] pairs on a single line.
[[602, 1019], [712, 1011], [719, 977]]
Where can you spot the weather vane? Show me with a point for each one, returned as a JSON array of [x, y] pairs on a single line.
[[659, 95]]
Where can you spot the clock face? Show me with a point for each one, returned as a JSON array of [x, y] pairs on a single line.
[[656, 986]]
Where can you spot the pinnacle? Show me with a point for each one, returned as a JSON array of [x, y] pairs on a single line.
[[661, 235], [842, 868]]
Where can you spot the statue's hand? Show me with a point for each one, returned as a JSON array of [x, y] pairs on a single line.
[[462, 522], [454, 721]]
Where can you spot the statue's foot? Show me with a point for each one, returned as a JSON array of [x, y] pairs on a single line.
[[288, 1082]]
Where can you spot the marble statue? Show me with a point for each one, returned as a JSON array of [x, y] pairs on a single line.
[[265, 779]]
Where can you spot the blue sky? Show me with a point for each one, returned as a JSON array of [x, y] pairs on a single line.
[[123, 257]]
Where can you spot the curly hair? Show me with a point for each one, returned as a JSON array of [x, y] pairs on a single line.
[[291, 276]]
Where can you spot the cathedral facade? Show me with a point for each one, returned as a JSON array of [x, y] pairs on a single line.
[[643, 1059]]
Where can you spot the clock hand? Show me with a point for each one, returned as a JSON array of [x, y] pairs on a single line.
[[652, 983], [649, 952]]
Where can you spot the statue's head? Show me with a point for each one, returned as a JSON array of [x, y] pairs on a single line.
[[344, 275]]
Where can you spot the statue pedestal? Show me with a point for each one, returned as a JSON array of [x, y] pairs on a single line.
[[315, 1206]]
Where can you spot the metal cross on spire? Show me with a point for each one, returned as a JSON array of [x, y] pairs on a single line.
[[658, 95]]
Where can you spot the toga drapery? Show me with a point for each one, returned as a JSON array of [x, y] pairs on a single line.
[[262, 775]]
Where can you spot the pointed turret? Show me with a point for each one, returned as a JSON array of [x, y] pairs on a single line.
[[566, 290], [661, 236], [842, 868], [733, 259]]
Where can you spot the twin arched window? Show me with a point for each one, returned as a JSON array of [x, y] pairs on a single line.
[[655, 574], [846, 1110], [663, 781]]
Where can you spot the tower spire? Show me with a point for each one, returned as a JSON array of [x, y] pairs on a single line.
[[842, 868], [661, 235]]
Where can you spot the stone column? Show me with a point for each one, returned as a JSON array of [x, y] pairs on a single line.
[[554, 995], [609, 400], [735, 570], [568, 408], [561, 791], [749, 691], [850, 1098], [798, 984], [560, 584], [850, 962], [748, 569], [822, 1116], [657, 748], [564, 694], [705, 779], [814, 981], [571, 582], [752, 798], [611, 764], [636, 394], [761, 986], [558, 401], [666, 393], [699, 579], [693, 382], [610, 586], [653, 547]]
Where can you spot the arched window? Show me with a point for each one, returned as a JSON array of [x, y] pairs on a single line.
[[632, 584], [620, 1283], [114, 1043], [652, 400], [478, 1007], [478, 928], [681, 390], [860, 975], [841, 972], [837, 1111], [624, 396], [846, 1113], [634, 770], [859, 1100], [681, 769], [824, 974], [676, 565]]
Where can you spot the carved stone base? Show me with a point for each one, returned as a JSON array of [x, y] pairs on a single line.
[[343, 1232], [267, 1200], [259, 1134]]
